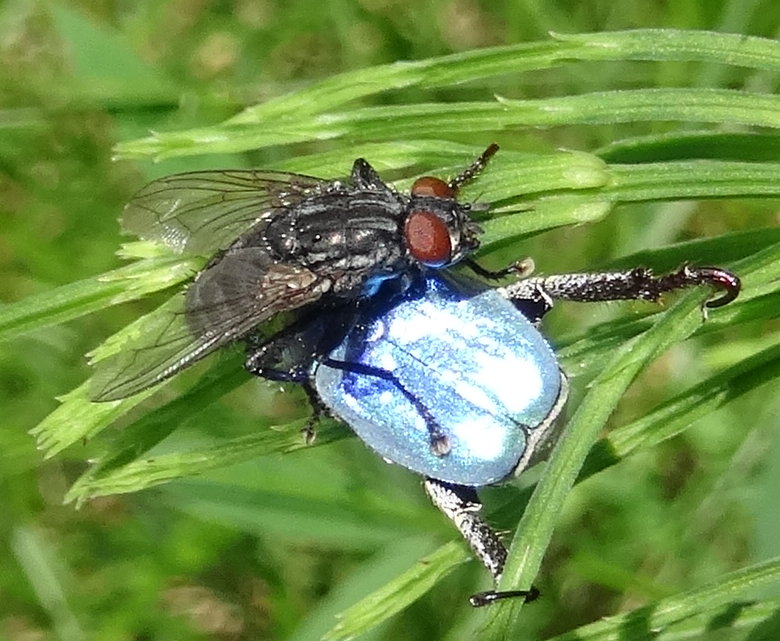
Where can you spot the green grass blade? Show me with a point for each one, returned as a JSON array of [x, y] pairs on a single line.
[[421, 120], [116, 475], [739, 621], [482, 64], [692, 179], [682, 145], [678, 413], [398, 593], [78, 419], [644, 623], [91, 294]]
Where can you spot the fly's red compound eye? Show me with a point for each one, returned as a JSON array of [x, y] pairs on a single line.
[[432, 187], [428, 238]]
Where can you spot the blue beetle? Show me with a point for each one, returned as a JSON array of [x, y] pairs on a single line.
[[489, 383]]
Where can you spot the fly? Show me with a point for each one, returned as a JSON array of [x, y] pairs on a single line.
[[281, 242]]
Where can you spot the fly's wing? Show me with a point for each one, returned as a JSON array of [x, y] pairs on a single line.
[[225, 303], [204, 211]]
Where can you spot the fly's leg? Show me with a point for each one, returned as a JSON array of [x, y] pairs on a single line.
[[461, 505], [634, 284], [288, 355], [302, 378], [440, 444], [519, 269], [365, 176], [318, 410]]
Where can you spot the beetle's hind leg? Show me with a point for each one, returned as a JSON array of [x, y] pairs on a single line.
[[633, 284], [461, 505]]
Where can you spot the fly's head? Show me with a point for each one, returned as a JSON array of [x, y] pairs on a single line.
[[438, 230]]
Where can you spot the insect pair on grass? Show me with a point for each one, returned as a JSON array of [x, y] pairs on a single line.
[[441, 373]]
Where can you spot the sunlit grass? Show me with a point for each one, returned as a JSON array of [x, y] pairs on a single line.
[[612, 129]]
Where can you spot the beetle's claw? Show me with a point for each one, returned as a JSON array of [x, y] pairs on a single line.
[[720, 278]]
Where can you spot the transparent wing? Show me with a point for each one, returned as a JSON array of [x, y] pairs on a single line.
[[225, 303], [204, 211]]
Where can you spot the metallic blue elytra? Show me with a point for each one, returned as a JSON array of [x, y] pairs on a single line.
[[467, 355]]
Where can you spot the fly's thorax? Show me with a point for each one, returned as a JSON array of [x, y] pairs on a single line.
[[335, 226], [352, 238]]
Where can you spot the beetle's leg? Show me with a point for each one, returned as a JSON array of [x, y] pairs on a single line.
[[461, 505], [634, 284], [473, 169], [440, 444]]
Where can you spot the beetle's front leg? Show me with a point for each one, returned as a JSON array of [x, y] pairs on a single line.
[[634, 284], [461, 505]]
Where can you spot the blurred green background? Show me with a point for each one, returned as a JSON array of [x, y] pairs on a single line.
[[273, 549]]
